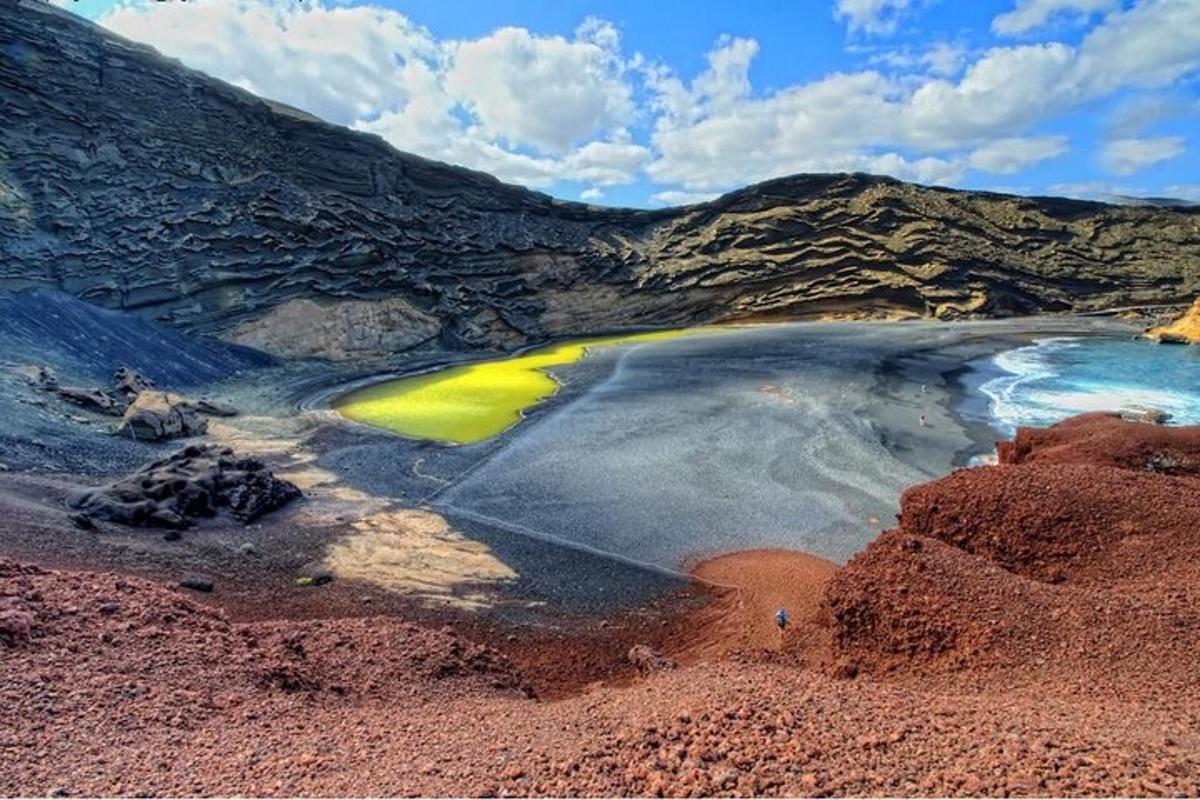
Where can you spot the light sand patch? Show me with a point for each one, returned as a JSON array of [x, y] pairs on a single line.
[[417, 552], [281, 441]]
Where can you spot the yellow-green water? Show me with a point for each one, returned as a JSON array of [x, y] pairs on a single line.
[[473, 402]]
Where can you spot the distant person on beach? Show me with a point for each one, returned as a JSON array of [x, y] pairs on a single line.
[[782, 619], [923, 421]]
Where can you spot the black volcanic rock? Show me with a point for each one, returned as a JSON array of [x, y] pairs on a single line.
[[135, 183], [195, 482]]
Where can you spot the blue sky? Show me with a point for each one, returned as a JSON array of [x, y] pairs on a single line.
[[651, 103]]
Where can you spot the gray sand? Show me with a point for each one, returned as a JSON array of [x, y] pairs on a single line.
[[798, 435]]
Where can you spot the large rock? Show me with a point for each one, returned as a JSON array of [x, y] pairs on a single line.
[[253, 205], [1185, 330], [155, 416], [196, 482]]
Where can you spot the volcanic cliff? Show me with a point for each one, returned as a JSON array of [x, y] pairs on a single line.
[[133, 182]]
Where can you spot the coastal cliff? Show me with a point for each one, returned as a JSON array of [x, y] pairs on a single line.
[[135, 183]]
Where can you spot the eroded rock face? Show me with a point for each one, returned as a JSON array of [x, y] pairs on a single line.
[[195, 482], [142, 185], [339, 329]]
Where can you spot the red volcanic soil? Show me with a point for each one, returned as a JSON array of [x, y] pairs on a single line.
[[1030, 628]]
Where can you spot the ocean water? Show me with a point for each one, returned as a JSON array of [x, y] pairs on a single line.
[[1056, 378]]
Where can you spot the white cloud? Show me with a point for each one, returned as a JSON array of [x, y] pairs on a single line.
[[338, 63], [1008, 89], [1110, 192], [1012, 155], [1031, 14], [591, 194], [1005, 91], [942, 59], [528, 109], [923, 128], [1183, 191], [1148, 46], [1139, 113], [871, 16], [676, 197], [605, 163], [1127, 156], [544, 91]]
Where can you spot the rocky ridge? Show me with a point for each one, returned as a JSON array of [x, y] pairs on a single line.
[[135, 183]]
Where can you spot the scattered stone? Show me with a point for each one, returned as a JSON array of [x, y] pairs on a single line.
[[247, 549], [647, 660], [195, 482], [97, 400], [131, 383], [845, 670], [46, 379], [15, 626], [154, 416], [83, 522], [322, 578], [199, 583], [213, 408], [1149, 416]]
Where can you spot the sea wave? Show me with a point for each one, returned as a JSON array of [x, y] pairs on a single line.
[[1024, 367], [1056, 378]]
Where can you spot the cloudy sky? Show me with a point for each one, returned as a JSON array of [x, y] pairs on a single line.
[[650, 103]]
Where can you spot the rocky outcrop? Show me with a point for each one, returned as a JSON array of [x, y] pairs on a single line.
[[138, 184], [155, 416], [196, 482], [1185, 330]]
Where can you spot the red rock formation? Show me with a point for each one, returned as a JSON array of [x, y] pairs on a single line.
[[1076, 549]]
